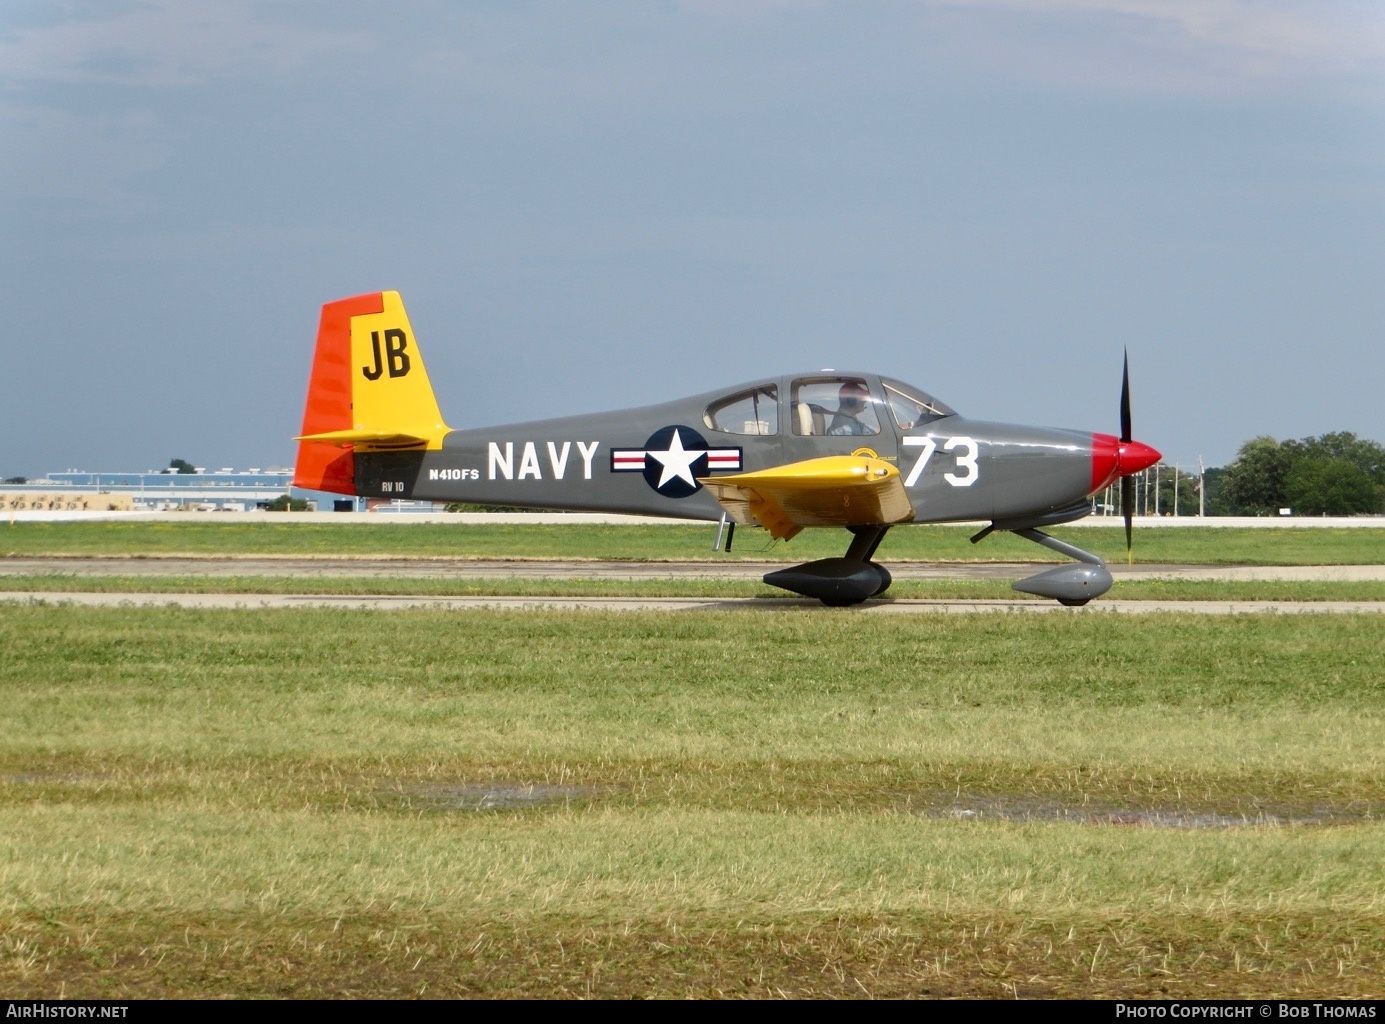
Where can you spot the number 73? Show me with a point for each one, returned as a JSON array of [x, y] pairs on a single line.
[[968, 470]]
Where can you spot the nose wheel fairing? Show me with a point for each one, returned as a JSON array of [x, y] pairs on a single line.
[[1071, 585], [1067, 584]]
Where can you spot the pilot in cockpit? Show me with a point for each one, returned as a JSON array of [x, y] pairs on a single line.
[[847, 421]]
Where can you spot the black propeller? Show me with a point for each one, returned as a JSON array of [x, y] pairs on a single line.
[[1127, 487]]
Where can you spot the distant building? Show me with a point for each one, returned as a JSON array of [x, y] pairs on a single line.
[[221, 490]]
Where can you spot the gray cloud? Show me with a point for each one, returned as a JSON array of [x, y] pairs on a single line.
[[163, 43], [989, 197], [622, 50]]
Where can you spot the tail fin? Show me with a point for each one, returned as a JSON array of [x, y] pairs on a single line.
[[368, 392]]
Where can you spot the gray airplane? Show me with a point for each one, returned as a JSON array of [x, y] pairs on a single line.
[[851, 450]]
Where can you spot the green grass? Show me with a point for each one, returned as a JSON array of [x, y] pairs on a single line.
[[463, 586], [1194, 545], [762, 803]]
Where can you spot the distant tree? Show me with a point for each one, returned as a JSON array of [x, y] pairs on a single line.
[[1187, 491], [1368, 456], [1330, 487], [1213, 479], [16, 480], [1334, 474], [284, 503], [1253, 484], [180, 466]]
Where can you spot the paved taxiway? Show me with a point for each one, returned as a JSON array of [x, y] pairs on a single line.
[[679, 604], [548, 568], [569, 569]]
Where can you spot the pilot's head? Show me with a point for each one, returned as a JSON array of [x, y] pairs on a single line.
[[853, 395]]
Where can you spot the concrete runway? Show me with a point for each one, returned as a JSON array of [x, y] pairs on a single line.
[[568, 569]]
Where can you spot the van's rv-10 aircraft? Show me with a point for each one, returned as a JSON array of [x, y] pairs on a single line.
[[850, 450]]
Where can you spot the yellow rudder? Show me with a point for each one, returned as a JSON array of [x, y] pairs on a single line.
[[392, 401]]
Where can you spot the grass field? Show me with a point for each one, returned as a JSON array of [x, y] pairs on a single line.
[[463, 586], [198, 537], [1209, 546], [781, 802]]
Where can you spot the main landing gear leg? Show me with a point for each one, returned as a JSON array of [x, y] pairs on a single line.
[[864, 541], [840, 581]]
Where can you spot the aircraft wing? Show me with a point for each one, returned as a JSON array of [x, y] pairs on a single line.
[[837, 490]]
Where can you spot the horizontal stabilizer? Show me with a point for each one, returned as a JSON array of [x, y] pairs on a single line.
[[367, 440], [837, 490]]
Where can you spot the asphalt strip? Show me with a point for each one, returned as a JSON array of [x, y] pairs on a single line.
[[681, 604]]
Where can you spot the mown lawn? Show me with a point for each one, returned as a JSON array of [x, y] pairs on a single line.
[[787, 802], [1209, 546], [712, 586]]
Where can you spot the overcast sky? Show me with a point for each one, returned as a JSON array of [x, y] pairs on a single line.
[[589, 205]]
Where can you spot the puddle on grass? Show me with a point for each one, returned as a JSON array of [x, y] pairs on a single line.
[[487, 796], [1035, 808], [938, 804], [499, 796]]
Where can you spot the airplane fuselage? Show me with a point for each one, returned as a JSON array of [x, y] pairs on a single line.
[[953, 468], [820, 449]]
